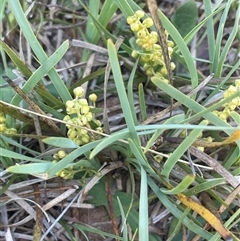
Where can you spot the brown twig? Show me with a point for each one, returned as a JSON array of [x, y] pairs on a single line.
[[215, 165], [110, 205], [33, 106], [37, 231]]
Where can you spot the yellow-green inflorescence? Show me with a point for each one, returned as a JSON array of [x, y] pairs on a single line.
[[151, 53], [80, 115], [233, 104], [3, 126]]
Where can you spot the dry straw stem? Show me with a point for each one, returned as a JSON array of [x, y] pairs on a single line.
[[215, 165], [34, 107]]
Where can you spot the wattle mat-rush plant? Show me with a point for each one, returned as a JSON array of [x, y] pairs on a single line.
[[178, 167]]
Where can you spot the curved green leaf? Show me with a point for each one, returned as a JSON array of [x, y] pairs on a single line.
[[16, 60], [43, 70], [32, 168], [176, 212], [128, 115], [37, 48], [204, 186], [172, 160], [12, 154], [106, 141], [181, 187], [60, 142]]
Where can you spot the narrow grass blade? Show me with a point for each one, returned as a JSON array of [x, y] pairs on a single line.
[[43, 70], [143, 208], [95, 230], [60, 142], [181, 187], [191, 104], [124, 226], [16, 59], [31, 168], [218, 41], [121, 91], [172, 160], [130, 92], [173, 120], [228, 44], [37, 48], [208, 184], [106, 141], [176, 212], [14, 155], [210, 29], [143, 108]]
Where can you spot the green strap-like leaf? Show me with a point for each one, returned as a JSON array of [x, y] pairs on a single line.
[[181, 187]]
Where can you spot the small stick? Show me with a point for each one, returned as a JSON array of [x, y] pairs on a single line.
[[33, 106]]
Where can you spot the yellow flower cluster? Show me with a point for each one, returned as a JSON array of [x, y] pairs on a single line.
[[233, 104], [79, 114], [151, 54], [66, 173], [3, 127]]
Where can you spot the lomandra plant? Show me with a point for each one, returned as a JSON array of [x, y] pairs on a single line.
[[193, 187]]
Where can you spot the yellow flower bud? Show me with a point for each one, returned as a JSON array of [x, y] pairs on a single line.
[[200, 148], [135, 27], [216, 112], [85, 139], [89, 116], [82, 102], [11, 131], [70, 104], [170, 43], [134, 54], [139, 14], [158, 158], [231, 107], [172, 65], [72, 133], [236, 101], [2, 120], [223, 116], [84, 120], [2, 127], [78, 141], [130, 20], [164, 71], [148, 22], [71, 111], [209, 139], [149, 71], [78, 92], [56, 157], [98, 122], [93, 97], [139, 42], [61, 154], [99, 129], [85, 109], [67, 118], [237, 83], [170, 50], [141, 34]]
